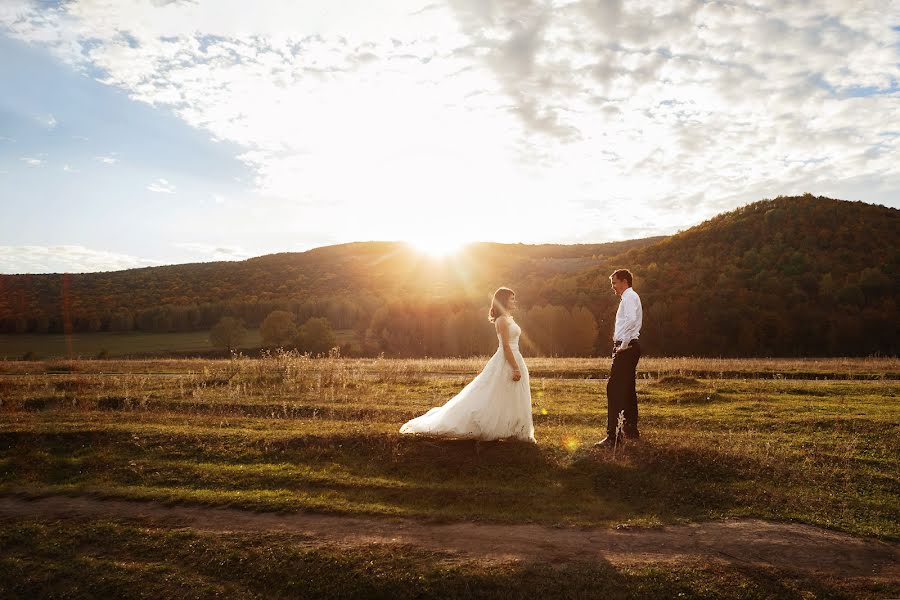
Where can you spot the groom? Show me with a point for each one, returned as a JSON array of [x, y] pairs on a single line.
[[621, 395]]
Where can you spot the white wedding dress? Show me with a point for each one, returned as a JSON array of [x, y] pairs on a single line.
[[491, 407]]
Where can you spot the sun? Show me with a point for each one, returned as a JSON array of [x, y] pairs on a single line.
[[436, 245]]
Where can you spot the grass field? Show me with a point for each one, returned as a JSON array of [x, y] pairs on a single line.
[[89, 345], [816, 441], [119, 344]]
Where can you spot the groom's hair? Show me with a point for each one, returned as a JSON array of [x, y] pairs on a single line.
[[500, 303], [625, 274]]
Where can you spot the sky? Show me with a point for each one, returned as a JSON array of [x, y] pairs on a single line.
[[144, 132]]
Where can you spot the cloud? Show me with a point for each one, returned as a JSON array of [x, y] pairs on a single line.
[[665, 112], [213, 251], [700, 101], [32, 161], [66, 259], [107, 160], [161, 186], [48, 121], [70, 169], [3, 138]]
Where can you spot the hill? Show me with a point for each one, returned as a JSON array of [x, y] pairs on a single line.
[[793, 276], [345, 282]]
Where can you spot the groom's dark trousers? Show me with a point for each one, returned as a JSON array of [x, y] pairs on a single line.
[[621, 392]]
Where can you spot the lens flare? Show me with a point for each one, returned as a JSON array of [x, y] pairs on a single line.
[[570, 443]]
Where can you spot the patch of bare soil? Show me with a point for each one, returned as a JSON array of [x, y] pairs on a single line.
[[747, 541]]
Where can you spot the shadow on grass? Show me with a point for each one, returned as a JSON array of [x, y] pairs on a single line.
[[670, 481], [519, 480], [404, 475], [112, 559]]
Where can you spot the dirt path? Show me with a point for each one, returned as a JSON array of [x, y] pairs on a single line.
[[746, 541]]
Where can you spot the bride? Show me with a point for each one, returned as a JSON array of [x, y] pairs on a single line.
[[497, 403]]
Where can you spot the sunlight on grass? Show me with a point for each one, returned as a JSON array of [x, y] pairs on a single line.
[[720, 438]]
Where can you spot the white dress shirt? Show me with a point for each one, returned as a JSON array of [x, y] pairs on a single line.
[[629, 317]]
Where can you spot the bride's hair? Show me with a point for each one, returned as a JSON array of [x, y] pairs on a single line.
[[500, 303]]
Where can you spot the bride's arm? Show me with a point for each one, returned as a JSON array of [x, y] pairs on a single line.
[[503, 328]]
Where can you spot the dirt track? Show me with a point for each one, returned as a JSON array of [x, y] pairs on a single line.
[[747, 541]]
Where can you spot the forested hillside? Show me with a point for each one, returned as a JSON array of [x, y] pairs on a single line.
[[346, 283], [794, 276], [786, 277], [800, 276]]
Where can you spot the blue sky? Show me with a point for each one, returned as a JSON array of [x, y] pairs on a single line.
[[136, 133], [78, 157]]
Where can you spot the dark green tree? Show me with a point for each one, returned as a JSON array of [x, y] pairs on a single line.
[[316, 336], [228, 333], [278, 329]]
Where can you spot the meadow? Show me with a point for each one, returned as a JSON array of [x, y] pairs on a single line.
[[814, 441], [110, 344], [113, 344]]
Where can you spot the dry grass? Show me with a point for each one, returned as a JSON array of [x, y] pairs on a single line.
[[398, 369], [814, 441], [288, 432]]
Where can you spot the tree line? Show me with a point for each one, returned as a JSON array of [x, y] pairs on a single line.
[[799, 276], [403, 329]]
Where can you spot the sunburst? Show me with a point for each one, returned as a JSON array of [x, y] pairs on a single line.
[[438, 246]]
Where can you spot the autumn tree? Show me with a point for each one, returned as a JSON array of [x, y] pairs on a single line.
[[582, 335], [228, 333], [469, 333], [278, 329], [316, 336]]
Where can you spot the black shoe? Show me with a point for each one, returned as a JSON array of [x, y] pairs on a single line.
[[606, 443]]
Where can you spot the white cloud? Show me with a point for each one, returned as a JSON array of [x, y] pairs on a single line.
[[161, 186], [107, 160], [3, 138], [32, 161], [48, 121], [65, 259], [563, 114], [70, 169], [209, 252]]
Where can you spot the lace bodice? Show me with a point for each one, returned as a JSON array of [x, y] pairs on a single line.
[[514, 333]]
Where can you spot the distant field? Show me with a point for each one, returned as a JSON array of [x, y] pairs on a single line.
[[89, 345], [720, 439]]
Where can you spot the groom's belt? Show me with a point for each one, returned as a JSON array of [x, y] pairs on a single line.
[[618, 343]]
